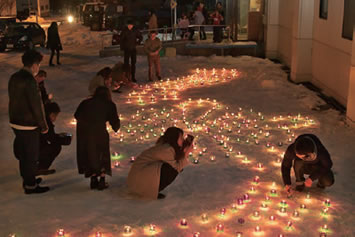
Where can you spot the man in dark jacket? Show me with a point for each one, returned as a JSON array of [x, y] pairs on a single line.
[[308, 156], [27, 119], [50, 143], [130, 38]]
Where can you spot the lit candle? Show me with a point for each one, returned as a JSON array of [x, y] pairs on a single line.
[[183, 222], [117, 164], [213, 158], [127, 229], [197, 234], [227, 155], [283, 203], [252, 189], [259, 165], [257, 228], [256, 214], [272, 218], [132, 159], [238, 234], [240, 201], [267, 198], [325, 211], [256, 179], [204, 217], [327, 202], [246, 197], [273, 191], [220, 228], [283, 210], [325, 227], [98, 234], [289, 224], [60, 233], [152, 228], [303, 206], [223, 211], [263, 205], [296, 214], [196, 161], [323, 234]]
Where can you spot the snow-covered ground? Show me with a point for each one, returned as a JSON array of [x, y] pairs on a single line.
[[203, 188]]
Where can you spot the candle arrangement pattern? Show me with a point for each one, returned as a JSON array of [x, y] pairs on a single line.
[[223, 134]]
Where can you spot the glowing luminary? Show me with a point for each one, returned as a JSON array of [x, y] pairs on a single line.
[[60, 233], [289, 224], [283, 203], [325, 227], [152, 228], [117, 164], [223, 211], [73, 122], [256, 214], [257, 229], [327, 202], [273, 191], [303, 206], [204, 150], [272, 218], [98, 234], [322, 234], [283, 210], [204, 217], [227, 155], [252, 189], [259, 165], [325, 211], [296, 214], [246, 197], [256, 179], [183, 222], [234, 207], [196, 161], [238, 234], [212, 158], [132, 159], [220, 227], [240, 201], [127, 229], [196, 234], [263, 206]]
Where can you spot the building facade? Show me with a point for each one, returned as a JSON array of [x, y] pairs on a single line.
[[40, 6], [315, 39]]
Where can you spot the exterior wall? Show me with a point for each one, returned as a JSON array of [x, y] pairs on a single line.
[[286, 15], [271, 28], [331, 55], [8, 9], [351, 94]]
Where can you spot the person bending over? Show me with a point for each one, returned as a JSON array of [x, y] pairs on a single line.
[[93, 140], [157, 167], [40, 77], [308, 156], [102, 78]]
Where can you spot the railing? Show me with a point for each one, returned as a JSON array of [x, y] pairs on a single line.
[[171, 31]]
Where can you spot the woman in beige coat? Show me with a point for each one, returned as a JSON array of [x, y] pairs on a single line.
[[157, 167]]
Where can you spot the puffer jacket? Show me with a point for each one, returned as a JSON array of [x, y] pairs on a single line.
[[25, 102]]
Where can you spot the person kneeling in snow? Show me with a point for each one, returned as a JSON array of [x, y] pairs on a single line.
[[308, 156], [121, 75], [157, 167], [51, 142], [102, 78]]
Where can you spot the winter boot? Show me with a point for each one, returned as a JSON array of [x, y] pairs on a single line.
[[94, 183]]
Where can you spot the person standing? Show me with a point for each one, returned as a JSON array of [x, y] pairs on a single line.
[[130, 38], [217, 29], [27, 119], [201, 8], [153, 21], [307, 155], [53, 42], [93, 141], [152, 46]]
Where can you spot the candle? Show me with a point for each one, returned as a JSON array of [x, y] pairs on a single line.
[[117, 164], [296, 214], [272, 218], [197, 234], [132, 159], [325, 211], [223, 211], [327, 202], [289, 224], [183, 222], [246, 197], [257, 228], [196, 161], [238, 234], [273, 191], [283, 203], [256, 214], [252, 189], [213, 158], [241, 220], [204, 217], [325, 227], [220, 228], [60, 233], [152, 228], [256, 179], [259, 165], [127, 229], [323, 234], [263, 205], [98, 234], [283, 210], [303, 206], [240, 201]]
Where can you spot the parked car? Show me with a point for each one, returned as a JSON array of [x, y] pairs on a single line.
[[22, 35], [89, 10]]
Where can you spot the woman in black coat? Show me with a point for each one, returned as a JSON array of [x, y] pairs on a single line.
[[93, 142], [53, 42]]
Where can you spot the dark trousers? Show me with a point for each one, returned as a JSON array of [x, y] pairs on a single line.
[[154, 62], [202, 33], [47, 155], [26, 150], [131, 54], [52, 54], [217, 34], [301, 169], [167, 176]]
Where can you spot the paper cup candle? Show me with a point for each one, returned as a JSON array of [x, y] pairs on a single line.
[[183, 222], [60, 233], [127, 230]]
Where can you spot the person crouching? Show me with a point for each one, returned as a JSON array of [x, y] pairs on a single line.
[[157, 167]]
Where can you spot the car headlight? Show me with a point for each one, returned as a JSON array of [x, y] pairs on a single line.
[[23, 38]]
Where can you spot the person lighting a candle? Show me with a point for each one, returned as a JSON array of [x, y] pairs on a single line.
[[307, 155], [157, 167]]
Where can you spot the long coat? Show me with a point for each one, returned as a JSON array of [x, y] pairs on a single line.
[[53, 39], [153, 22], [144, 176], [93, 142]]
